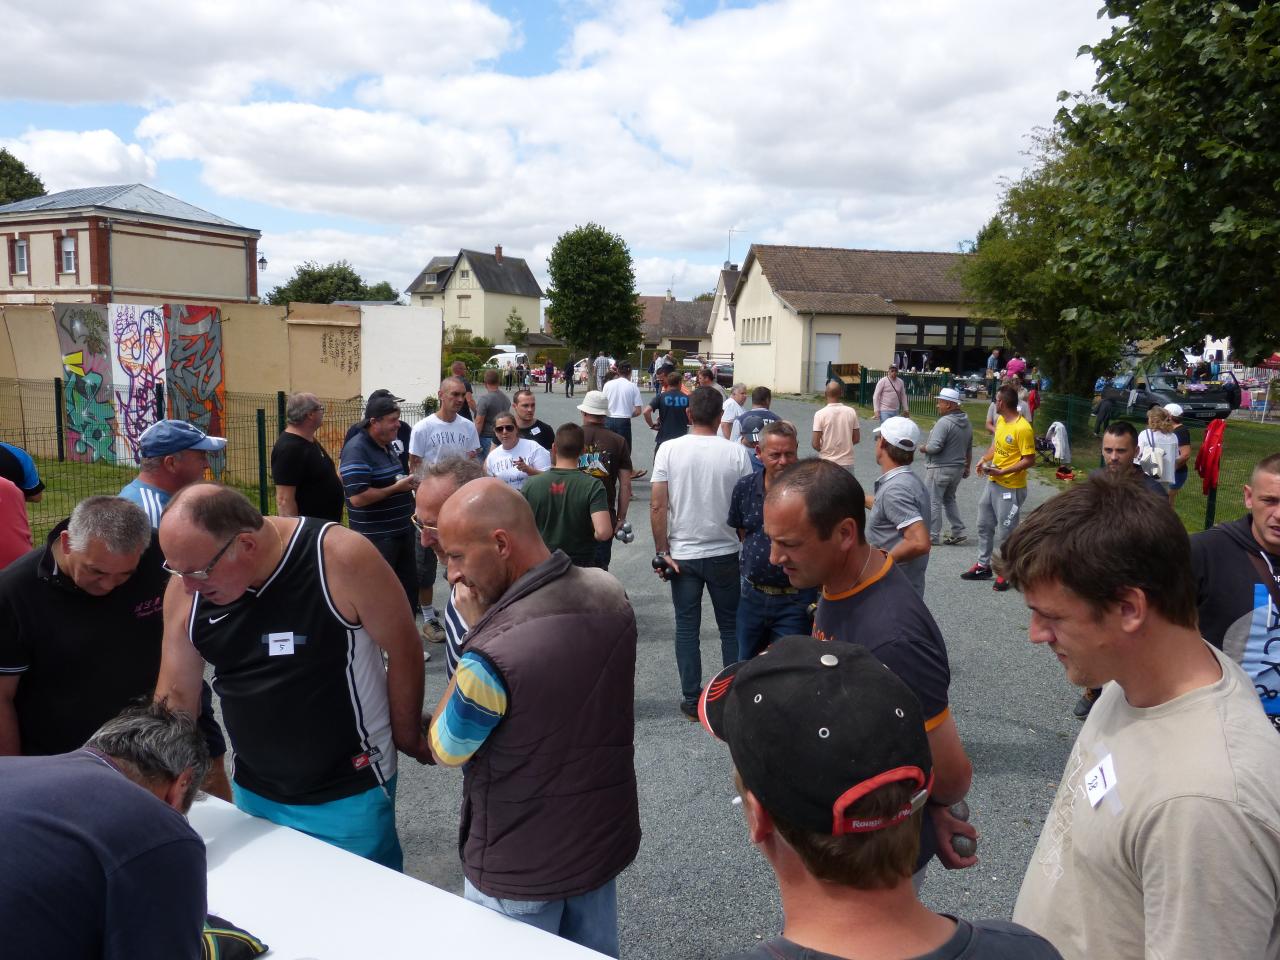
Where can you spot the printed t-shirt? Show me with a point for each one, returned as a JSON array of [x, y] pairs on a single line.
[[837, 423], [750, 423], [1013, 441], [306, 465], [976, 940], [433, 438], [368, 464], [673, 419], [1151, 799], [886, 615], [563, 501], [700, 473], [501, 462], [604, 453]]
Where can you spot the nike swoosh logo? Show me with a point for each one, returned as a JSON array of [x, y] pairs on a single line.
[[216, 619]]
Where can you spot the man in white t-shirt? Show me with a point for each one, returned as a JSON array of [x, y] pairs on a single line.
[[442, 434], [836, 429], [693, 481], [1164, 837], [734, 407], [624, 403]]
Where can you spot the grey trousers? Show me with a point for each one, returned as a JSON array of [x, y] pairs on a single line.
[[943, 483], [999, 511]]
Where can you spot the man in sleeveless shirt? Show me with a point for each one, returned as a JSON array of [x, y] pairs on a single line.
[[294, 615]]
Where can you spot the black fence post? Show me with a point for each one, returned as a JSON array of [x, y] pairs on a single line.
[[1210, 506], [280, 402], [262, 460], [862, 386], [57, 416], [160, 401]]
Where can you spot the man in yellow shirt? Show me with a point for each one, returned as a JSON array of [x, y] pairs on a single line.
[[1005, 465]]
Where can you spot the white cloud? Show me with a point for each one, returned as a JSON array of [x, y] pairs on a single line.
[[65, 159]]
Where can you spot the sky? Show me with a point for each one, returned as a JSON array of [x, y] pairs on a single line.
[[388, 132]]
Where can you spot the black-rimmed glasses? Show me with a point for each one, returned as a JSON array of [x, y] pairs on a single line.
[[202, 574]]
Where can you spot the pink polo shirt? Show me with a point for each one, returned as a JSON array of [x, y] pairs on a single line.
[[15, 531]]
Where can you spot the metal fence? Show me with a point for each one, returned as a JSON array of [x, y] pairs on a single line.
[[31, 418]]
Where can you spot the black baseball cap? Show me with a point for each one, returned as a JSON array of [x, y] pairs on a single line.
[[814, 726], [379, 404]]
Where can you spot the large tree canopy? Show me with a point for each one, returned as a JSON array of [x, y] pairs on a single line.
[[1178, 220], [17, 182], [312, 283], [592, 302]]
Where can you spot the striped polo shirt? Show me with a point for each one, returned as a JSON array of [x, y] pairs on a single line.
[[367, 464]]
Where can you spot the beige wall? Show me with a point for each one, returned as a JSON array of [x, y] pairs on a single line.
[[195, 266], [496, 308], [757, 364], [722, 332], [868, 341], [34, 342], [947, 310], [324, 349], [255, 348]]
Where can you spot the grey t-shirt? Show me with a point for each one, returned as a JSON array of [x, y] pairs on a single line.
[[490, 403], [979, 940], [900, 500]]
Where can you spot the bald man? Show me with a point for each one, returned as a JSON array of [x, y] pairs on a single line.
[[294, 615], [540, 712]]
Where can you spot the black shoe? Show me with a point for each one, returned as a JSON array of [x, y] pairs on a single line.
[[977, 572], [1001, 585], [690, 710], [1085, 703]]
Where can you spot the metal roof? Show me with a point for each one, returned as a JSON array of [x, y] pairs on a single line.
[[129, 197]]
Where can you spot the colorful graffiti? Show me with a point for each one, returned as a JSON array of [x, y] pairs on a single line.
[[194, 381], [138, 361], [86, 390]]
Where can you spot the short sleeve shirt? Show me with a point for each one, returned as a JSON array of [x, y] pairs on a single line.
[[750, 422], [365, 464], [433, 439], [836, 422], [489, 404], [15, 530], [501, 463], [673, 418], [604, 454], [151, 499], [979, 940], [306, 465], [624, 397], [901, 499], [541, 433], [563, 501], [746, 512], [1013, 441], [17, 467]]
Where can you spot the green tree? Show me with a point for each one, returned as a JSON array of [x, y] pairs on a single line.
[[708, 296], [1179, 221], [312, 283], [516, 329], [592, 301], [17, 182], [1014, 275]]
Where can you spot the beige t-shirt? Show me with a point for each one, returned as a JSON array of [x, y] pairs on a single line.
[[1180, 856], [837, 423]]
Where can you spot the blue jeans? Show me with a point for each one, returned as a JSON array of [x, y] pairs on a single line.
[[720, 576], [364, 824], [764, 617], [621, 426], [486, 444], [590, 919]]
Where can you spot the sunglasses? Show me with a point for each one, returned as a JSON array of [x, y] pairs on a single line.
[[504, 429], [202, 575]]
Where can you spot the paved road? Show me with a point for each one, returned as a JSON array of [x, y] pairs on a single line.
[[698, 888]]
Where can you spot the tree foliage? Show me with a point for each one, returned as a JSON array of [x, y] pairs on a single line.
[[592, 301], [1015, 276], [312, 283], [17, 181], [516, 330], [1178, 221]]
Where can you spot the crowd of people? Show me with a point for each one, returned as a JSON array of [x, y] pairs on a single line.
[[833, 690]]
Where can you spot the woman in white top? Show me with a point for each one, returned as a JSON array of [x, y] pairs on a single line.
[[1160, 435], [512, 458]]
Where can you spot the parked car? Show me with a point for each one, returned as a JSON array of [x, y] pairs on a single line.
[[1132, 393]]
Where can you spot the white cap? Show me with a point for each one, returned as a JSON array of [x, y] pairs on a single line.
[[949, 393], [1173, 409], [899, 432]]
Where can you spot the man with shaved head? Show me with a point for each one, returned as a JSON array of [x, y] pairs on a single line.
[[540, 712], [294, 615]]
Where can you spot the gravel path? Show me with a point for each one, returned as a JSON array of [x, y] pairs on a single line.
[[698, 888]]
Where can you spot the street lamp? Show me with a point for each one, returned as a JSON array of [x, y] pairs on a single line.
[[262, 264]]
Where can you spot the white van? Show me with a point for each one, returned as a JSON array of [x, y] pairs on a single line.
[[504, 361]]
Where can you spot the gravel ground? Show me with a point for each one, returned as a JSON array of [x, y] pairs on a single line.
[[698, 888]]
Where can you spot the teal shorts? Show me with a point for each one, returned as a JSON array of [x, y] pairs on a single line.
[[364, 824]]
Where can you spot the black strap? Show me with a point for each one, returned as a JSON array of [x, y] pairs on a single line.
[[1268, 577]]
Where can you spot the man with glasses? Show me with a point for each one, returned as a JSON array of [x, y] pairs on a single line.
[[307, 483], [294, 615]]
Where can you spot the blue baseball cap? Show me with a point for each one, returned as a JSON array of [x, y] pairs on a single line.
[[173, 436]]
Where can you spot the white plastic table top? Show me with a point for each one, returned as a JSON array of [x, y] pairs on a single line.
[[308, 900]]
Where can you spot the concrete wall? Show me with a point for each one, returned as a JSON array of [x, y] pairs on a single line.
[[174, 262], [34, 342], [865, 340], [497, 306], [255, 346], [324, 349], [757, 364], [400, 350]]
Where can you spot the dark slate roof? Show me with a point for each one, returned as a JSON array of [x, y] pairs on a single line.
[[511, 276], [441, 267], [890, 274], [686, 319], [536, 339], [652, 323], [128, 198], [844, 304]]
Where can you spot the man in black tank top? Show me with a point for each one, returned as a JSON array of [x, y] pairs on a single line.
[[291, 613]]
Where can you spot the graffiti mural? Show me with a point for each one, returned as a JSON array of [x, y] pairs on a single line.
[[89, 416], [138, 361], [194, 383]]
